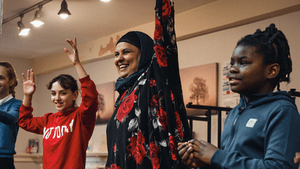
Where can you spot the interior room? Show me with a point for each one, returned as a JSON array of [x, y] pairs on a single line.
[[207, 32]]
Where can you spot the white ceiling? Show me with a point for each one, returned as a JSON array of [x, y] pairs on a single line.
[[89, 20]]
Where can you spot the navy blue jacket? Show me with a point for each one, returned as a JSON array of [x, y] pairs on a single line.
[[259, 134], [9, 115]]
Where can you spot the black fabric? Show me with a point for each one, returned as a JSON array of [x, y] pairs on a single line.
[[132, 38], [150, 117], [6, 163]]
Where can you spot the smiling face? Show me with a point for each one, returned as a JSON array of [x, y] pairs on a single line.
[[4, 82], [62, 98], [127, 57], [248, 74]]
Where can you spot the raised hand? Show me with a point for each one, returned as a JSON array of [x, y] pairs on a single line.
[[73, 56], [28, 83]]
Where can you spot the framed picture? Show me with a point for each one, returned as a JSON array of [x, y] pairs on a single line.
[[106, 99], [199, 86]]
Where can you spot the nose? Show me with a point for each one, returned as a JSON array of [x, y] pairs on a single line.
[[119, 58], [233, 69], [57, 97]]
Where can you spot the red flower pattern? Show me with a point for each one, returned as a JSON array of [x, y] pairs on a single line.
[[158, 30], [153, 155], [152, 83], [166, 9], [136, 148], [161, 55], [171, 95], [126, 106], [173, 148], [179, 125], [162, 116], [115, 147], [113, 166]]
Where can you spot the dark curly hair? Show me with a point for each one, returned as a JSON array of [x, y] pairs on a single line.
[[273, 46], [65, 81]]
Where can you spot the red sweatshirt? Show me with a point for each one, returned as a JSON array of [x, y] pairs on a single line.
[[65, 135]]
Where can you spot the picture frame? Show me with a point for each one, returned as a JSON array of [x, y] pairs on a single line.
[[200, 86]]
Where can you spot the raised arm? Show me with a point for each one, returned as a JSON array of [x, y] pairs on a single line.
[[74, 57]]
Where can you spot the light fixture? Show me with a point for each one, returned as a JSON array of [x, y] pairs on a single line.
[[23, 31], [37, 22], [64, 12], [105, 0]]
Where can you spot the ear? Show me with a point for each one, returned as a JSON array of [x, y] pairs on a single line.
[[273, 70], [11, 82], [75, 95]]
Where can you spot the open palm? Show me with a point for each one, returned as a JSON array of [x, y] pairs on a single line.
[[28, 83], [73, 56]]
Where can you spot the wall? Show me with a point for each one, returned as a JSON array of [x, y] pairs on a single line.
[[212, 17], [207, 48], [214, 47]]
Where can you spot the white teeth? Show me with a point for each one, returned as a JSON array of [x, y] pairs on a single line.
[[123, 66]]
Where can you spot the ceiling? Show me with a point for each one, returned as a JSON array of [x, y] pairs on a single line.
[[89, 20]]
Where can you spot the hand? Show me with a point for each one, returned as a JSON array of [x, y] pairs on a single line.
[[73, 57], [28, 84], [185, 151], [203, 150], [297, 158]]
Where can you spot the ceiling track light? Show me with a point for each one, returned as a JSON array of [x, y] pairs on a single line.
[[37, 22], [64, 12], [23, 31]]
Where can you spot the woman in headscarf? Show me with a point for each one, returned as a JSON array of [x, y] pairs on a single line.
[[150, 117]]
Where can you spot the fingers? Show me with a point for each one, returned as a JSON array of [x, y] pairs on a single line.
[[73, 44], [67, 51], [30, 76]]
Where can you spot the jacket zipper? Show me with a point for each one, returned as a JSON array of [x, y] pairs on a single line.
[[233, 125]]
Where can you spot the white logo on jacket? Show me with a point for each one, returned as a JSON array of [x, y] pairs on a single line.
[[251, 122], [58, 130]]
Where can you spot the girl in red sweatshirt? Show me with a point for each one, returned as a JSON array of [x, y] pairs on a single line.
[[66, 133]]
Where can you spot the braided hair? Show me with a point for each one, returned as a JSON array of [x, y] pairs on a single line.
[[273, 46]]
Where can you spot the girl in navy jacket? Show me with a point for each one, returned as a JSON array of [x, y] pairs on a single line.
[[263, 131]]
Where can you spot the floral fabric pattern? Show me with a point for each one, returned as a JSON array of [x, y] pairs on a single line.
[[150, 117]]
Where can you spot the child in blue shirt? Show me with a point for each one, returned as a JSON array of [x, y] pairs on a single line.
[[263, 131], [9, 115]]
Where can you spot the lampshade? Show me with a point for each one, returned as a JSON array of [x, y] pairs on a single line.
[[37, 22], [64, 12], [23, 31]]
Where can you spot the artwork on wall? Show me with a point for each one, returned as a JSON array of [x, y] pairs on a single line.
[[199, 86], [229, 98], [106, 99]]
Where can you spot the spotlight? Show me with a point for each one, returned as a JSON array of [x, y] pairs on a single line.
[[37, 22], [64, 12], [23, 31]]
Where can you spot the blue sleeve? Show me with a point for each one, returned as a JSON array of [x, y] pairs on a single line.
[[10, 115], [280, 144]]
